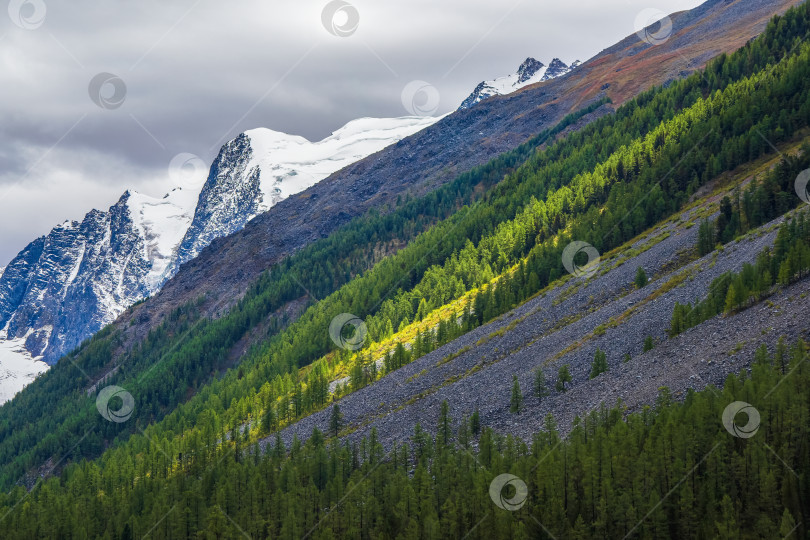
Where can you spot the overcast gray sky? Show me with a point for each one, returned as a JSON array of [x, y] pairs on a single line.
[[198, 72]]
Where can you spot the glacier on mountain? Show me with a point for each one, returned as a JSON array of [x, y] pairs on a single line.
[[17, 367]]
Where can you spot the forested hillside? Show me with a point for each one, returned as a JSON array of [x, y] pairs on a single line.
[[671, 471], [188, 463]]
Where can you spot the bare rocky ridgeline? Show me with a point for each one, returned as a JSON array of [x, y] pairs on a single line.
[[481, 376]]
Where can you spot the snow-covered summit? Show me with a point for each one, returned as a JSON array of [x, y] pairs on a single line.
[[289, 165], [261, 167], [530, 71], [66, 285]]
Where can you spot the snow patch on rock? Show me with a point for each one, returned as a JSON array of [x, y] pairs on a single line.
[[17, 367]]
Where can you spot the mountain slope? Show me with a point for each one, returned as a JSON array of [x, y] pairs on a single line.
[[414, 166], [706, 127], [557, 190], [567, 325], [433, 156]]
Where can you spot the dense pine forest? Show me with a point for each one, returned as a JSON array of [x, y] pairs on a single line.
[[187, 464], [670, 471]]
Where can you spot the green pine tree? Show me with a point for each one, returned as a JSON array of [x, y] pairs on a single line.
[[335, 420], [516, 402], [706, 237], [463, 437], [540, 388], [788, 525], [475, 422], [269, 420], [641, 278], [600, 364], [563, 377]]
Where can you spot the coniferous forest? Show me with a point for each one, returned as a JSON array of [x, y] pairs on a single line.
[[670, 471], [194, 460]]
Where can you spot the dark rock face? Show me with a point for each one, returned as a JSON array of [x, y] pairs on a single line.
[[68, 284], [480, 93], [555, 69], [528, 68], [229, 199]]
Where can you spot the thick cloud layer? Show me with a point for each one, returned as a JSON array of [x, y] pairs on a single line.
[[187, 75]]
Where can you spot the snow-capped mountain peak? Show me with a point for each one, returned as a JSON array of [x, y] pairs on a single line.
[[530, 71], [66, 285], [556, 68], [261, 167]]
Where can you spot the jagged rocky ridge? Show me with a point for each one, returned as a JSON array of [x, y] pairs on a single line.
[[530, 71], [66, 285]]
